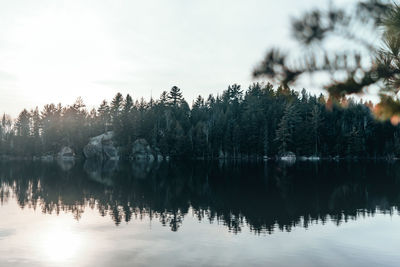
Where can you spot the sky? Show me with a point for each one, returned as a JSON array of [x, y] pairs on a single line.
[[55, 51]]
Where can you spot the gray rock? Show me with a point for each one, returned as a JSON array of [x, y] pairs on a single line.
[[288, 157], [159, 157], [141, 150], [110, 152], [66, 153], [101, 147], [157, 154], [47, 158]]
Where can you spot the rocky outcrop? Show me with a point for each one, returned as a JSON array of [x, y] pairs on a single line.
[[141, 150], [142, 168], [288, 157], [157, 154], [101, 147], [47, 158], [66, 153]]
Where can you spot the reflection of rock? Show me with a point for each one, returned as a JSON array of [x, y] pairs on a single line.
[[141, 168], [222, 155], [101, 171], [66, 158], [65, 164], [141, 150], [66, 153], [101, 148]]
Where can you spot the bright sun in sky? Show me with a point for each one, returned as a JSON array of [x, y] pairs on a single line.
[[55, 51], [58, 55]]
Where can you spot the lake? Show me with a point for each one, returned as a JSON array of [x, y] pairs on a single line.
[[199, 214]]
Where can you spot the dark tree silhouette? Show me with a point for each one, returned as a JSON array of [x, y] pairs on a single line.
[[247, 124]]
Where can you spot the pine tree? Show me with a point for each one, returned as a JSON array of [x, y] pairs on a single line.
[[116, 105], [175, 96], [116, 109], [127, 128], [286, 128], [104, 115], [35, 130], [315, 124], [36, 122], [23, 124], [163, 98], [265, 141], [283, 135]]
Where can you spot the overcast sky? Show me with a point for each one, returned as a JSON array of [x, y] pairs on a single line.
[[55, 51]]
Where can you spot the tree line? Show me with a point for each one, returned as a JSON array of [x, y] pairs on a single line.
[[253, 123]]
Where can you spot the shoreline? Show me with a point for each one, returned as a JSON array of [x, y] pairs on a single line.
[[232, 159]]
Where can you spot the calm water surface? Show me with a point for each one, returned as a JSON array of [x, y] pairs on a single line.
[[199, 214]]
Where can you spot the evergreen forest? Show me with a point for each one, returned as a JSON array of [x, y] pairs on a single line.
[[254, 123]]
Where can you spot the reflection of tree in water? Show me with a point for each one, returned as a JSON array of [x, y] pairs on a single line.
[[262, 197]]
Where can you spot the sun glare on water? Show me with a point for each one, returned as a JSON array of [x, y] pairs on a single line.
[[60, 243]]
